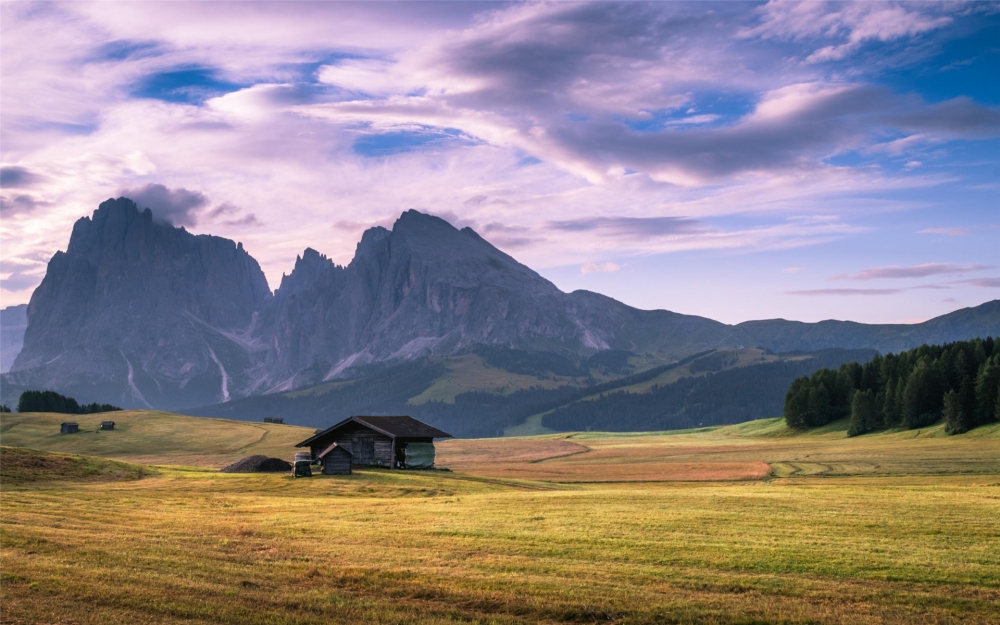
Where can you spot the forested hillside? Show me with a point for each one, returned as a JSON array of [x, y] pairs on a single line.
[[958, 382], [730, 396]]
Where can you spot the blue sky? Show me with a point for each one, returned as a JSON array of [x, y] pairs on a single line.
[[733, 160]]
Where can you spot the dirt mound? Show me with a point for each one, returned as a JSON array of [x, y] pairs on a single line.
[[258, 464]]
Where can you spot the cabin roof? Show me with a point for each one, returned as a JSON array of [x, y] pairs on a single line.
[[393, 427], [107, 422], [330, 449]]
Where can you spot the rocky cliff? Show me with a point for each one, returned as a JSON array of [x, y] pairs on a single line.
[[13, 322], [142, 314], [426, 288]]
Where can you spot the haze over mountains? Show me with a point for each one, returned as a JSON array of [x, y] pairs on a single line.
[[142, 314]]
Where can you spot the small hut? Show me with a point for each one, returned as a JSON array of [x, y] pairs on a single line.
[[107, 425], [274, 419], [336, 460], [68, 427], [396, 442]]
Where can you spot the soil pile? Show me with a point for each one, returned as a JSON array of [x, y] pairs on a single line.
[[258, 464]]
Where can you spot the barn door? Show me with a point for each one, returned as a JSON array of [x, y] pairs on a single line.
[[363, 450]]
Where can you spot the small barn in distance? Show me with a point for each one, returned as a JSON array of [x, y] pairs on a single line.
[[107, 425], [68, 427], [397, 442]]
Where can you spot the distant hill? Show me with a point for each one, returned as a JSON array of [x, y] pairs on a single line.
[[141, 314], [781, 336], [710, 388]]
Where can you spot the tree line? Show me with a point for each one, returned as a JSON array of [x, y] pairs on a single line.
[[957, 382], [50, 401]]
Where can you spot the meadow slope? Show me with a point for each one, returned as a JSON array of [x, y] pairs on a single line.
[[889, 528]]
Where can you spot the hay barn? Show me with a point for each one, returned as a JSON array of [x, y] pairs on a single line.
[[397, 442], [274, 419], [107, 425], [68, 427]]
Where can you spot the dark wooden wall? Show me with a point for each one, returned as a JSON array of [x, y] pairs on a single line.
[[337, 462], [361, 442]]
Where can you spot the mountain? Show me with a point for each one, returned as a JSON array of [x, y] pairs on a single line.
[[139, 313], [781, 336], [426, 288], [13, 321]]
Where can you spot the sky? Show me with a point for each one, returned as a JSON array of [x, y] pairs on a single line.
[[737, 161]]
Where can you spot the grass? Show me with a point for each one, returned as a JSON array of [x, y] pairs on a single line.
[[29, 466], [469, 372], [901, 528], [153, 437]]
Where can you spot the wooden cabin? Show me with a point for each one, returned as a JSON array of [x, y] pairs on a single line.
[[274, 419], [68, 427], [336, 460], [107, 425], [380, 441]]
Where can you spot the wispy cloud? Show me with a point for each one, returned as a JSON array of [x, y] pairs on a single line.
[[952, 232], [634, 227], [915, 271], [987, 283], [846, 292], [589, 268]]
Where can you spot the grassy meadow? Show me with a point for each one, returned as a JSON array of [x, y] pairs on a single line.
[[741, 524]]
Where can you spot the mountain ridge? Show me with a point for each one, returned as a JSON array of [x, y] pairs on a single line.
[[144, 314]]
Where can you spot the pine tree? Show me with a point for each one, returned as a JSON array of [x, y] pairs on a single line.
[[955, 418], [987, 384], [864, 413], [889, 407], [797, 404]]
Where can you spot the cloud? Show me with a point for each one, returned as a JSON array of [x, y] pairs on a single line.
[[20, 203], [915, 271], [631, 227], [986, 283], [601, 118], [177, 206], [846, 292], [791, 270], [850, 24], [589, 268], [15, 177], [952, 232]]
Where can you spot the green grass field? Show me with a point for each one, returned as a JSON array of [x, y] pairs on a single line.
[[741, 524]]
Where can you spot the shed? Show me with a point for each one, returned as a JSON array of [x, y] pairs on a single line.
[[336, 460], [274, 419], [107, 425], [68, 427], [380, 441]]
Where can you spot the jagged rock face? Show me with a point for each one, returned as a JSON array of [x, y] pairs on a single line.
[[142, 313], [428, 288], [13, 322]]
